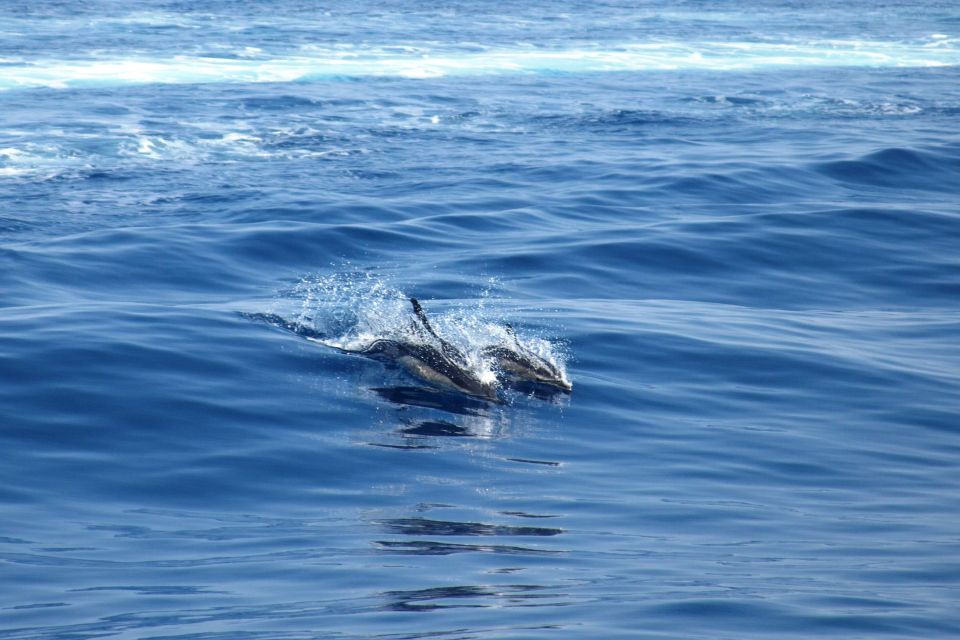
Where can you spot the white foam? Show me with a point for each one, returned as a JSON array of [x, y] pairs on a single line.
[[12, 153], [313, 63], [36, 160], [14, 172], [209, 142], [127, 142]]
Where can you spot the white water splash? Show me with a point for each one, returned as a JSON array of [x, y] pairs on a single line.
[[351, 310], [314, 63]]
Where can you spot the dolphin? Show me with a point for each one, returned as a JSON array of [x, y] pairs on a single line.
[[444, 365], [519, 363]]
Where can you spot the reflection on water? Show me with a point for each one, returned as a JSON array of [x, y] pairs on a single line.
[[425, 527], [546, 463], [427, 419], [511, 595], [436, 428], [430, 548], [433, 399], [425, 415], [401, 446]]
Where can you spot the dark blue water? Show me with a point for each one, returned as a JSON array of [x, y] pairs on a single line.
[[736, 228]]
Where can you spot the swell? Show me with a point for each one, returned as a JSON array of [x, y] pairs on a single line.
[[845, 256], [932, 169]]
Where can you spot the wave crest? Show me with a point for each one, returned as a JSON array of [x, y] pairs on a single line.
[[252, 65]]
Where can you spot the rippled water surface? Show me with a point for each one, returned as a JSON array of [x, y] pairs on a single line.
[[735, 229]]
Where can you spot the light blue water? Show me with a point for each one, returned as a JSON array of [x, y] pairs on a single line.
[[736, 228]]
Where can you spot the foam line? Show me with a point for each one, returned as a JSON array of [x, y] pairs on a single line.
[[319, 65]]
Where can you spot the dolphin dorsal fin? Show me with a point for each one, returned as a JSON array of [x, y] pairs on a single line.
[[513, 334], [445, 347], [422, 317]]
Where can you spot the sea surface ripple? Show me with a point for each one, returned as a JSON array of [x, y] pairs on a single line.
[[737, 230]]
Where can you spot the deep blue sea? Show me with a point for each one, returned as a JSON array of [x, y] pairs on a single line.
[[734, 227]]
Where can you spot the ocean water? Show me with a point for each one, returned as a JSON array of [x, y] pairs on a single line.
[[736, 228]]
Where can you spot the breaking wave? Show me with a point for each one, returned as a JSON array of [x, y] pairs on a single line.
[[311, 63]]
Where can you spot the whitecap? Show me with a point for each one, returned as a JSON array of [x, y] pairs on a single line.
[[314, 62]]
